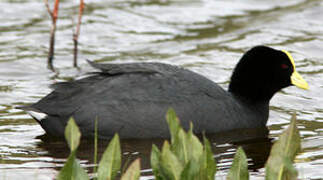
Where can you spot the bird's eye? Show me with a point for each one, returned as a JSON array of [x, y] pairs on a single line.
[[284, 66]]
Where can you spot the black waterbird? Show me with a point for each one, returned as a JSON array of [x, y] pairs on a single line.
[[132, 99]]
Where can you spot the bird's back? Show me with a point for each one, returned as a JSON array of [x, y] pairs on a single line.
[[132, 99]]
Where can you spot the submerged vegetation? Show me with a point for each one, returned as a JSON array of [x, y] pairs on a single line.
[[184, 157]]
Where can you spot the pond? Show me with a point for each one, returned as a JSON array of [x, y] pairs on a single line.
[[205, 36]]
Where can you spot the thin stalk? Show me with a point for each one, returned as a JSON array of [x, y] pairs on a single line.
[[53, 15], [77, 32], [95, 146]]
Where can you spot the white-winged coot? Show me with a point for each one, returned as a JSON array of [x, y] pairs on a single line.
[[132, 99]]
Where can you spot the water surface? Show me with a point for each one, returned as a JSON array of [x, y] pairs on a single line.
[[207, 37]]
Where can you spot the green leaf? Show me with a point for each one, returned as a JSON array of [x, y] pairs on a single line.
[[170, 166], [173, 124], [185, 158], [184, 145], [72, 169], [133, 172], [207, 165], [179, 142], [111, 160], [154, 161], [239, 168], [191, 170], [279, 165], [195, 147], [180, 146], [72, 134]]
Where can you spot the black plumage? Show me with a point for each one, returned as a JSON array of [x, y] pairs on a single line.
[[132, 99]]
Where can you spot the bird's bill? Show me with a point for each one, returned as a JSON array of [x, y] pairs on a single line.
[[296, 78]]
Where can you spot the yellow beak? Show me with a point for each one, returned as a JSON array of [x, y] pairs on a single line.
[[296, 78]]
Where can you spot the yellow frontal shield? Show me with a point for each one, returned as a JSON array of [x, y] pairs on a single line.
[[296, 78]]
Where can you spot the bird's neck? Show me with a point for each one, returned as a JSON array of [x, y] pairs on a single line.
[[251, 93], [257, 107]]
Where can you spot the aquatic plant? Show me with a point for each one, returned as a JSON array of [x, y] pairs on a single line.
[[76, 33], [184, 157], [53, 14]]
